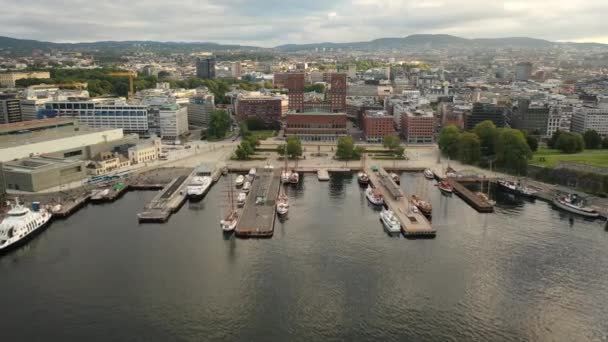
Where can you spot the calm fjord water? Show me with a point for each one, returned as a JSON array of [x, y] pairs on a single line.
[[329, 273]]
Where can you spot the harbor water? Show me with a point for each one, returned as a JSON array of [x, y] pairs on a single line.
[[330, 272]]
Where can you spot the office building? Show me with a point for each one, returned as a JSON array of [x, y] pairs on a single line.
[[337, 92], [530, 117], [266, 108], [316, 126], [377, 125], [205, 68], [418, 127], [131, 118], [485, 111], [199, 109], [10, 109], [295, 88], [523, 71], [586, 118], [173, 121], [9, 80], [34, 174]]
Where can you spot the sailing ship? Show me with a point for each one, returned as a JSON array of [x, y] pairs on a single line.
[[517, 188], [228, 223]]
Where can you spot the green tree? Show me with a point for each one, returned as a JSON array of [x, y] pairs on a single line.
[[219, 123], [318, 88], [532, 142], [512, 150], [487, 133], [592, 139], [393, 143], [448, 141], [551, 143], [244, 151], [294, 147], [346, 148], [570, 142], [469, 148], [605, 142]]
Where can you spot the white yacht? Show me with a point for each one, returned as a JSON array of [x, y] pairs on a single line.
[[20, 224], [240, 179], [252, 172], [574, 204], [240, 199], [429, 174], [390, 221], [247, 187], [374, 196], [198, 186]]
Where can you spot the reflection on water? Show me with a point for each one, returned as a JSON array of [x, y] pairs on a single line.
[[331, 272]]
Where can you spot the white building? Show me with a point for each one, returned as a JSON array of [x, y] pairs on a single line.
[[145, 152], [586, 118], [173, 121]]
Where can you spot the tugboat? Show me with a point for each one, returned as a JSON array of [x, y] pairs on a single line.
[[517, 188], [445, 187], [21, 224], [374, 196], [390, 221], [429, 174], [425, 207], [395, 177], [574, 204]]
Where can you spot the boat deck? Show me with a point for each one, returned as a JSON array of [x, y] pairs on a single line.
[[257, 219], [412, 224]]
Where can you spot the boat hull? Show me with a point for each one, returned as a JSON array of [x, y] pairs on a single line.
[[564, 207], [23, 241], [510, 190]]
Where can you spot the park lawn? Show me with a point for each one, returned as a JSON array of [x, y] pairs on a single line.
[[590, 157], [263, 135]]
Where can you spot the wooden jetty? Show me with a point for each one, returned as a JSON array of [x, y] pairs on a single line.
[[322, 175], [412, 224], [470, 197], [69, 207], [259, 214], [113, 193], [166, 201]]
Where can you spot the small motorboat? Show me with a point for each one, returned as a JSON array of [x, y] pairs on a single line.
[[240, 180], [285, 176], [228, 224], [374, 196], [363, 178], [252, 172], [294, 178], [240, 199], [574, 204], [282, 205], [445, 187], [425, 207], [395, 177], [247, 187], [429, 174]]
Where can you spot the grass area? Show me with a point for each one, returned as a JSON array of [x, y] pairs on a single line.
[[549, 157], [263, 135]]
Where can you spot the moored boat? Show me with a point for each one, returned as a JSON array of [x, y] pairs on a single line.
[[228, 224], [374, 196], [247, 187], [390, 221], [294, 178], [240, 199], [252, 172], [395, 177], [429, 174], [517, 188], [282, 205], [425, 207], [285, 175], [445, 187], [574, 204], [198, 186], [21, 224], [362, 178], [240, 179]]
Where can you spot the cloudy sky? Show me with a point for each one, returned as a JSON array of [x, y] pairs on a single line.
[[273, 22]]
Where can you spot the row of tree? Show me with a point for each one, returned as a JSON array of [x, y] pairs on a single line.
[[510, 148], [569, 142], [219, 124]]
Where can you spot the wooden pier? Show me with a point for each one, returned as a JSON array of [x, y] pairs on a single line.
[[412, 224], [166, 202], [470, 197], [70, 207], [259, 214], [114, 192]]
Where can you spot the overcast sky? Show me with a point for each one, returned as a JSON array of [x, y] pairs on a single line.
[[274, 22]]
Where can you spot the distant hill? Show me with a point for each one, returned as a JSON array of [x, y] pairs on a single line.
[[435, 41]]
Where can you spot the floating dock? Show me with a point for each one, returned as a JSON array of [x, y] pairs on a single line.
[[412, 224], [109, 194], [166, 202], [259, 215], [69, 207], [322, 175], [470, 197]]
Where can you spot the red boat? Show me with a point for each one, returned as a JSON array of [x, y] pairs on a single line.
[[445, 187]]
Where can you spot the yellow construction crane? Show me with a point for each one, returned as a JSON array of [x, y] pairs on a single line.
[[130, 74]]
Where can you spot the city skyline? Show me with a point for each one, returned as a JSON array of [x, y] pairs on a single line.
[[270, 23]]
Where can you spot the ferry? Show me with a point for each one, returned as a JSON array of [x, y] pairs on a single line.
[[429, 174], [425, 207], [240, 179], [517, 188], [241, 199], [21, 224], [374, 196], [574, 204], [363, 178], [445, 187], [198, 187], [390, 221]]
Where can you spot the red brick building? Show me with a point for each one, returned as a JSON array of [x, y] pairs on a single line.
[[418, 128], [377, 124], [337, 92], [295, 87], [266, 108], [316, 126]]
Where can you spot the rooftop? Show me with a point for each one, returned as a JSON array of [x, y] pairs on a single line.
[[26, 136], [33, 164], [315, 113]]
